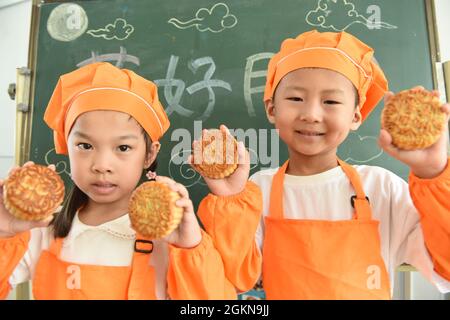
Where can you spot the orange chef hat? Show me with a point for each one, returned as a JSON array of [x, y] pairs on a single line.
[[340, 52], [101, 86]]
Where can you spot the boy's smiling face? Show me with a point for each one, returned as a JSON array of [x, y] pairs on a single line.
[[314, 110]]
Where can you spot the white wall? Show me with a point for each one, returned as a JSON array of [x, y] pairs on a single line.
[[421, 289], [15, 18], [443, 25]]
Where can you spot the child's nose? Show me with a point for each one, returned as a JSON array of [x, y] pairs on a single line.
[[311, 112], [102, 163]]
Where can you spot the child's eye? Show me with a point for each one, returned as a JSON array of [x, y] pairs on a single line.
[[331, 102], [124, 148], [84, 146], [295, 99]]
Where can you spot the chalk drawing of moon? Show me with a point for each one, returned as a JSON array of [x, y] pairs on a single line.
[[67, 22]]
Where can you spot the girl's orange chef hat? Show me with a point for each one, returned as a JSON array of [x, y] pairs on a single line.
[[101, 86], [340, 52]]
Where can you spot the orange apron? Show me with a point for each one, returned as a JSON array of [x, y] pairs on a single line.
[[57, 279], [316, 259]]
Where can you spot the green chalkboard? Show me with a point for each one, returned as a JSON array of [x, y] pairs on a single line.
[[209, 61]]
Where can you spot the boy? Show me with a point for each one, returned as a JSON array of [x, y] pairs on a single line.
[[320, 228]]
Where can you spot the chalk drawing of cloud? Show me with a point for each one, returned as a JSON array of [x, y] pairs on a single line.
[[360, 149], [339, 15], [119, 30], [216, 19]]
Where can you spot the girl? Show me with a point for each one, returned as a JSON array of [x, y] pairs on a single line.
[[109, 122], [320, 228]]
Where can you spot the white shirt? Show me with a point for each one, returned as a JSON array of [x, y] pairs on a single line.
[[326, 196], [108, 244]]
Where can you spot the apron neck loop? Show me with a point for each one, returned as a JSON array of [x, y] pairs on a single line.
[[359, 202]]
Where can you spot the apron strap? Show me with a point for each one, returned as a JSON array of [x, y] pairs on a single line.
[[360, 202], [55, 246], [142, 282], [276, 209]]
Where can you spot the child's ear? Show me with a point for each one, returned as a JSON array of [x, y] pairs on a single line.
[[357, 120], [151, 156], [270, 110]]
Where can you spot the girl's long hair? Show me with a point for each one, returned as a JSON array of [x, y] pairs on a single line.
[[62, 222]]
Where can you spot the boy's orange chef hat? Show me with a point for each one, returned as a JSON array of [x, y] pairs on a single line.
[[101, 86], [340, 52]]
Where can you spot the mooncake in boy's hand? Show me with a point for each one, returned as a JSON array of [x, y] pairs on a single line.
[[152, 209], [413, 118], [33, 192], [216, 157]]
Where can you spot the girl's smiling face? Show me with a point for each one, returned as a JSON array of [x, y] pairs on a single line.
[[107, 153], [314, 110]]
